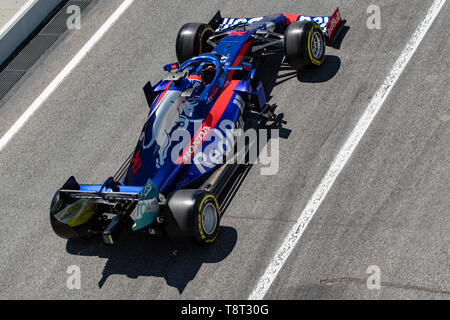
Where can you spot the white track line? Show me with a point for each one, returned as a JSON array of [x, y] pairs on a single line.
[[22, 11], [344, 154], [64, 73]]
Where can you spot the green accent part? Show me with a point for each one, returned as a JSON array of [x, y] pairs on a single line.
[[147, 208]]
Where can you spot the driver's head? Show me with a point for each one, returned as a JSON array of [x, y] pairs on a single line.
[[197, 83], [208, 73], [194, 78]]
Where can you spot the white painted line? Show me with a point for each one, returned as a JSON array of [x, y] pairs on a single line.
[[344, 154], [22, 11], [64, 73]]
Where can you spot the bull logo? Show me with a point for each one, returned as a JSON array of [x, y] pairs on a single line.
[[173, 111]]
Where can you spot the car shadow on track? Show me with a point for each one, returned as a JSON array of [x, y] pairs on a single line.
[[242, 171], [324, 73], [274, 71], [139, 255]]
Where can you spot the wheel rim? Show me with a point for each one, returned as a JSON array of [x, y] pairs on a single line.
[[316, 45], [209, 218]]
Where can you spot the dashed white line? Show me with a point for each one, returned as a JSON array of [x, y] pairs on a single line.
[[64, 73], [344, 154]]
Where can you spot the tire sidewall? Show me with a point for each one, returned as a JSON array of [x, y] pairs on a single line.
[[298, 44], [192, 40], [202, 200], [206, 32]]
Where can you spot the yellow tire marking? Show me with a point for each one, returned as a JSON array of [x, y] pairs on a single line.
[[313, 60], [201, 38], [199, 218]]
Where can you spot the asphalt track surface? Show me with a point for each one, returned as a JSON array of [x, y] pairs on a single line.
[[389, 207]]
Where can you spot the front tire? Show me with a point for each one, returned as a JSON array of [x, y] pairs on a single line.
[[192, 40], [304, 45]]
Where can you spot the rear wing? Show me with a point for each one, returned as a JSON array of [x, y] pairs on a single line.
[[330, 25], [107, 196], [108, 191], [75, 204]]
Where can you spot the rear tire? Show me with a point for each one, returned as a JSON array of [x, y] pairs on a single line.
[[193, 213], [192, 40], [304, 44], [207, 219]]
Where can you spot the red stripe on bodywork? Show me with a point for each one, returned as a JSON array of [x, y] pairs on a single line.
[[209, 124], [241, 53], [291, 18], [238, 59], [163, 93]]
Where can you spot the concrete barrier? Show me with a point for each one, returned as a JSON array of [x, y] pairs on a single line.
[[24, 22]]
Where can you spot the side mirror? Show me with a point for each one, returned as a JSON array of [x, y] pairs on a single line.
[[171, 66], [238, 68], [247, 66], [245, 70]]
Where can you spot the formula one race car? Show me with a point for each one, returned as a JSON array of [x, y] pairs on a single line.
[[181, 164]]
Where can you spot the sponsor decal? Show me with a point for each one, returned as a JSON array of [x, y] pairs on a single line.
[[224, 138], [229, 22], [195, 146], [321, 21], [172, 113], [210, 122], [147, 208], [136, 163], [335, 20], [238, 33]]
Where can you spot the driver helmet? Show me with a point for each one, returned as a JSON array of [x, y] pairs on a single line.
[[207, 73]]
